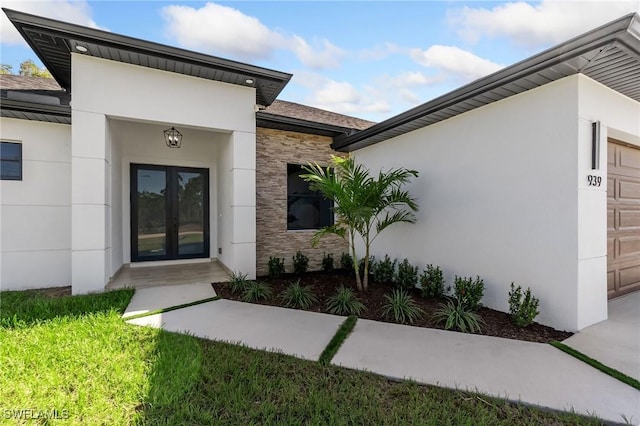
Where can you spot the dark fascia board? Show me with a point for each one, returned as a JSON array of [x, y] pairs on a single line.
[[620, 30], [59, 114], [106, 38], [23, 106], [275, 121]]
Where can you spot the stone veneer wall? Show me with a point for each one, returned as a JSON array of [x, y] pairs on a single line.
[[274, 150]]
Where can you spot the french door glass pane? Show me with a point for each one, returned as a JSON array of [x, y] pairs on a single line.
[[152, 217], [190, 213]]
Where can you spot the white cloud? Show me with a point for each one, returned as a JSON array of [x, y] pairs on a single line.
[[454, 62], [381, 52], [77, 12], [549, 22], [326, 56], [408, 88], [338, 96], [415, 78], [410, 97], [221, 29]]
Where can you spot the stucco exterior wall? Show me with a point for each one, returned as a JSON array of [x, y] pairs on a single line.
[[274, 150], [498, 198], [35, 213]]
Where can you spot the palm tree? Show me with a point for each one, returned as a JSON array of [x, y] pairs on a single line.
[[363, 205]]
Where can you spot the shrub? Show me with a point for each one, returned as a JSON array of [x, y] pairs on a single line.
[[344, 302], [401, 307], [432, 282], [384, 270], [458, 316], [522, 311], [276, 267], [297, 296], [327, 262], [406, 276], [346, 262], [300, 263], [256, 291], [372, 263], [469, 292], [238, 282]]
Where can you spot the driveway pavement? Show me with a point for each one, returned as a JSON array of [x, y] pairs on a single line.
[[616, 341]]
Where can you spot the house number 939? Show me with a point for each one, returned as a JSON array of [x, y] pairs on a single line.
[[594, 180]]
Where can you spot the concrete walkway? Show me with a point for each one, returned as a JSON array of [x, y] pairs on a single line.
[[151, 299], [616, 341], [292, 332], [532, 373]]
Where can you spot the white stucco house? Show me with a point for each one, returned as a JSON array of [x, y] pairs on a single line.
[[531, 174]]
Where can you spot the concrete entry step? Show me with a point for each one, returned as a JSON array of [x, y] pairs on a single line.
[[168, 275]]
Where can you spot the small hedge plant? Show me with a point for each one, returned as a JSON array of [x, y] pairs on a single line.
[[256, 291], [276, 267], [523, 310], [372, 265], [401, 307], [456, 315], [344, 302], [406, 276], [327, 263], [238, 282], [432, 282], [384, 270], [300, 263], [297, 296], [469, 292], [346, 262]]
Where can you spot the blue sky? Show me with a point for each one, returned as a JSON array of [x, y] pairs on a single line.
[[368, 59]]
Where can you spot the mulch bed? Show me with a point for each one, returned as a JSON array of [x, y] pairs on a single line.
[[325, 284]]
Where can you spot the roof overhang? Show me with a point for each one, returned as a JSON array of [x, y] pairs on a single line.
[[22, 110], [609, 54], [279, 122], [53, 41]]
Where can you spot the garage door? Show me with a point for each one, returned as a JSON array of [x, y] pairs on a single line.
[[623, 219]]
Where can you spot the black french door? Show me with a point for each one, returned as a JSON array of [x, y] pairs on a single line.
[[169, 212]]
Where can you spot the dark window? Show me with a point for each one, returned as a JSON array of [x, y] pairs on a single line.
[[306, 209], [10, 161]]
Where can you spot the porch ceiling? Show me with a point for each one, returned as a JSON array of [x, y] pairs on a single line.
[[53, 41]]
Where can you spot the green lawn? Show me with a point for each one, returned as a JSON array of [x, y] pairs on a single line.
[[76, 356]]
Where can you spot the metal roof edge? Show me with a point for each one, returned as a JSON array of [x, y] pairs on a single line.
[[24, 106], [82, 33], [314, 127], [617, 30]]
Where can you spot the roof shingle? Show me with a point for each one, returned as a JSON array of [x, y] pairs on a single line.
[[20, 82], [32, 85], [304, 112]]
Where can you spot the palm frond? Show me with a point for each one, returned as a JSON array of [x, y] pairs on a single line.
[[328, 230]]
